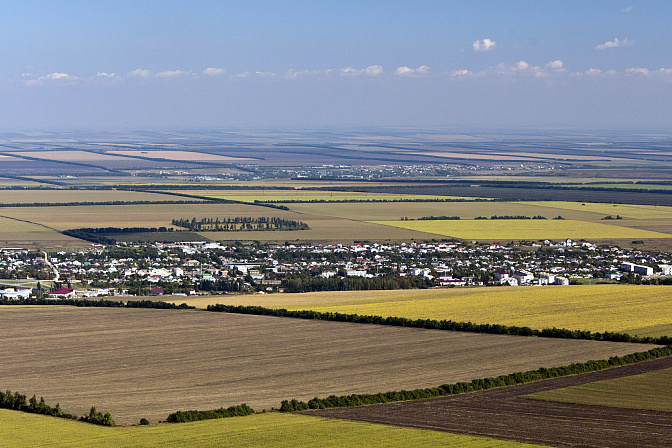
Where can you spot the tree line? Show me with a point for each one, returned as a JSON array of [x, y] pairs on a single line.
[[102, 235], [475, 385], [306, 283], [87, 203], [17, 402], [192, 416], [238, 224], [446, 325], [103, 303]]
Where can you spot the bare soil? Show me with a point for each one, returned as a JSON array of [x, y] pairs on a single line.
[[148, 363], [504, 414]]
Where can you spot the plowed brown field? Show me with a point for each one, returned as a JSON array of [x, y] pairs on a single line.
[[503, 414]]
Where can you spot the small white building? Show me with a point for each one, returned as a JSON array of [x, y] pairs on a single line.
[[564, 281], [666, 269]]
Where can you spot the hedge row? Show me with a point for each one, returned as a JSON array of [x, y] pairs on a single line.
[[449, 325], [103, 303], [192, 416], [334, 401], [17, 402]]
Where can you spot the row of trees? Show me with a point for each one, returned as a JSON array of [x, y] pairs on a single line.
[[472, 386], [17, 402], [106, 235], [306, 283], [192, 416], [242, 223], [103, 303]]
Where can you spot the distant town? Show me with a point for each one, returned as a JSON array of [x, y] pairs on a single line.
[[189, 268]]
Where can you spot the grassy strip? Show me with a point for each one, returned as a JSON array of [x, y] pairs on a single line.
[[192, 416], [448, 325], [17, 402], [334, 401]]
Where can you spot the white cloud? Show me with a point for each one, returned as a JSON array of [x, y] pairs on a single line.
[[407, 71], [371, 70], [171, 74], [615, 43], [140, 73], [106, 75], [64, 76], [460, 73], [554, 65], [628, 9], [484, 45], [639, 70], [521, 66], [52, 77], [265, 74], [210, 71], [593, 71]]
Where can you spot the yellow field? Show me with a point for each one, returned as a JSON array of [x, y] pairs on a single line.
[[516, 229], [635, 309], [624, 210], [273, 429], [652, 391]]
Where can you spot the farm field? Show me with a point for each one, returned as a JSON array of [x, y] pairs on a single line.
[[272, 429], [46, 196], [504, 413], [635, 309], [517, 229], [70, 156], [414, 210], [148, 363], [21, 234], [322, 228], [183, 156], [652, 391], [307, 195], [624, 210]]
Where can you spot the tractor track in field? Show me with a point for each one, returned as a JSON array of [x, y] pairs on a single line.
[[503, 413]]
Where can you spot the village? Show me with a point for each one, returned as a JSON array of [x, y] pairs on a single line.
[[190, 268]]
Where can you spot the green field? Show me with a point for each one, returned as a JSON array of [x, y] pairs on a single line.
[[517, 229], [635, 309], [273, 429], [652, 391]]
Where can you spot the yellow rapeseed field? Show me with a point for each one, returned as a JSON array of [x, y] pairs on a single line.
[[277, 430], [516, 229]]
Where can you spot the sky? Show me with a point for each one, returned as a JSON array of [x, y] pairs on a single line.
[[111, 65]]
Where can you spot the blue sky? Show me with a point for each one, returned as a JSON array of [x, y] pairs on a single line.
[[162, 64]]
